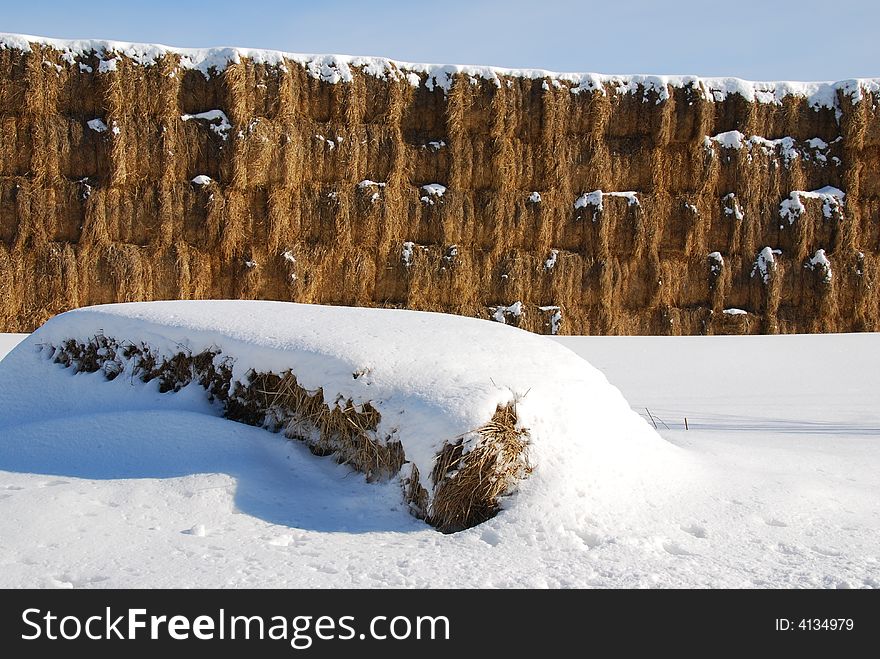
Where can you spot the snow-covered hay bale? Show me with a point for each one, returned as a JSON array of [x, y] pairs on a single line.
[[460, 410]]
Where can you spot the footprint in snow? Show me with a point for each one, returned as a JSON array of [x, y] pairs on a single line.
[[825, 551], [789, 550], [676, 549], [490, 537], [696, 530]]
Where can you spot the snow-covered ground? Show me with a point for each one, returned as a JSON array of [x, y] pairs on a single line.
[[775, 484]]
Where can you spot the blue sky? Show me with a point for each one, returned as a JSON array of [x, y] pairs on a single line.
[[792, 40]]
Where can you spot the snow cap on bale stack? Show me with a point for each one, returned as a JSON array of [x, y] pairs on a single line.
[[460, 409]]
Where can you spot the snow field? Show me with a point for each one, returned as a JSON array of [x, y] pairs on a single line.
[[775, 484]]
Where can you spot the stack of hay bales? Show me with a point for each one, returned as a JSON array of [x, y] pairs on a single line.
[[310, 177]]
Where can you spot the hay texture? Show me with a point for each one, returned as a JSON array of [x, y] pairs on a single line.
[[591, 203], [458, 410]]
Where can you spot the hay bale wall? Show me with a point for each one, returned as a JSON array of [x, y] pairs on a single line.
[[106, 211]]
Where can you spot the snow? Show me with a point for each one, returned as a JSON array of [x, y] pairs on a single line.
[[781, 488], [765, 264], [716, 262], [368, 184], [97, 125], [85, 189], [784, 147], [202, 179], [629, 195], [732, 139], [501, 312], [594, 199], [832, 200], [432, 191], [550, 263], [217, 119], [106, 66], [732, 207], [819, 149], [8, 342], [792, 208], [535, 198], [555, 322], [832, 203], [820, 260], [58, 68], [330, 144], [733, 311], [339, 69], [406, 253]]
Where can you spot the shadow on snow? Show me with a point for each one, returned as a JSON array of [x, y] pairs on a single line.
[[278, 480]]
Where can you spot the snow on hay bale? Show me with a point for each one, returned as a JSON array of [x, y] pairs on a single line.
[[460, 410]]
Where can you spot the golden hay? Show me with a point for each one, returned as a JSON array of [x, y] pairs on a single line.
[[285, 180], [467, 486]]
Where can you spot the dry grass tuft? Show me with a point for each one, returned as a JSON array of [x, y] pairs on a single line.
[[468, 484]]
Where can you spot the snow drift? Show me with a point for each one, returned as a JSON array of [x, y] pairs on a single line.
[[459, 410]]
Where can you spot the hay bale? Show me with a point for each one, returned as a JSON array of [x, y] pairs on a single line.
[[454, 421]]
